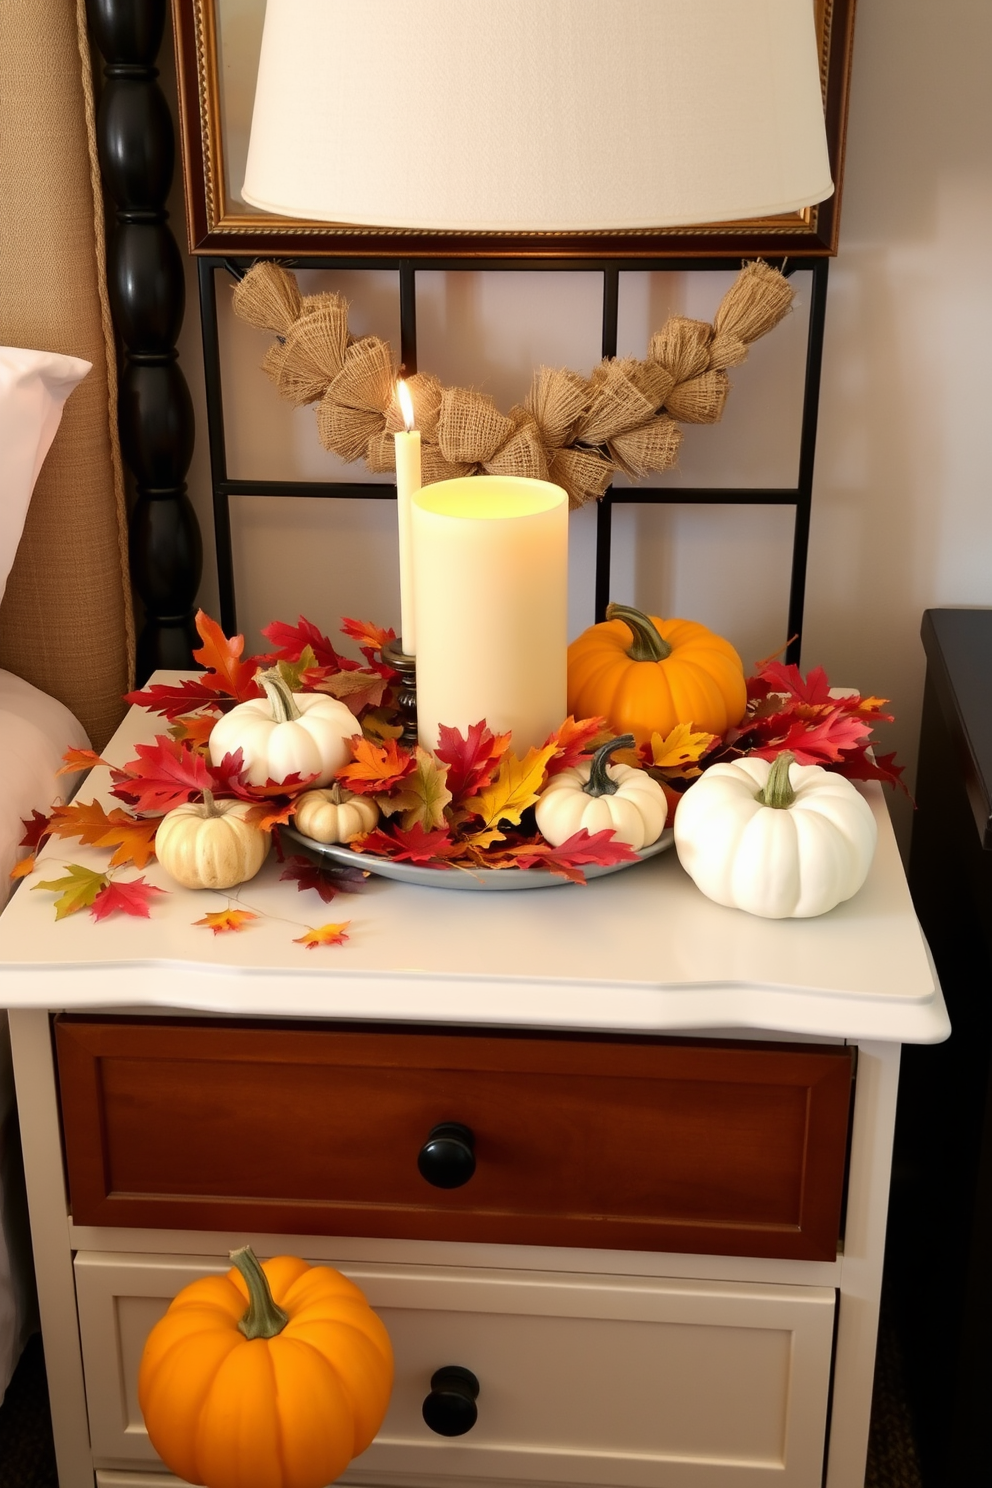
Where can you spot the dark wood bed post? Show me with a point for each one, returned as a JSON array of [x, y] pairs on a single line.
[[136, 144]]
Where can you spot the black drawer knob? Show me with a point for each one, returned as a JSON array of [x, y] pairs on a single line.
[[447, 1158], [450, 1408]]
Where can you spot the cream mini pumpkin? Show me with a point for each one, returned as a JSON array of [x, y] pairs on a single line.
[[335, 815], [286, 733], [603, 797], [779, 840], [210, 845]]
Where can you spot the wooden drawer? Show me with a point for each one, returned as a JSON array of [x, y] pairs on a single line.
[[583, 1379], [635, 1144]]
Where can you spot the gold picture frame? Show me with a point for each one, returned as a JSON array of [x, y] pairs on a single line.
[[216, 52]]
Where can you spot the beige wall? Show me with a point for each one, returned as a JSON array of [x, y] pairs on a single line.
[[902, 517]]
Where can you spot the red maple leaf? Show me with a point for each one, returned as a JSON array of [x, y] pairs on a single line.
[[371, 639], [36, 829], [815, 743], [412, 846], [125, 898], [861, 765], [164, 775], [581, 849], [291, 641], [472, 758], [172, 699]]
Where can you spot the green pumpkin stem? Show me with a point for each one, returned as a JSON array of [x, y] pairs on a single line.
[[279, 694], [599, 782], [264, 1318], [778, 790], [648, 644]]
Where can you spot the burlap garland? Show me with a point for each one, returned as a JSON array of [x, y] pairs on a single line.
[[574, 430]]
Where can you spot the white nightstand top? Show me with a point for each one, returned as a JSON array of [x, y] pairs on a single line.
[[641, 950]]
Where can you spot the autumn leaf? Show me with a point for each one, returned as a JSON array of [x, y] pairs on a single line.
[[165, 774], [23, 868], [324, 935], [369, 637], [193, 728], [678, 752], [227, 919], [173, 699], [131, 898], [269, 814], [472, 758], [77, 889], [327, 882], [516, 786], [36, 829], [357, 690], [864, 766], [817, 744], [413, 846], [583, 848], [221, 656], [131, 836], [379, 724], [376, 767], [574, 741], [422, 796], [291, 672], [291, 641], [75, 760]]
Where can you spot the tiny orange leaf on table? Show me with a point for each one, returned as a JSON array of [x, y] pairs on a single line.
[[323, 935], [23, 868], [226, 919]]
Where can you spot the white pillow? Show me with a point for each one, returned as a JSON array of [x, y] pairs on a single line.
[[33, 387]]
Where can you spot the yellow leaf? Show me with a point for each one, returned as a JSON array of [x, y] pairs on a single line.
[[227, 919], [517, 786], [324, 935], [376, 725], [681, 748], [77, 890], [422, 796]]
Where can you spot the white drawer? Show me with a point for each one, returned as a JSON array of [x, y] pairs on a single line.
[[634, 1383]]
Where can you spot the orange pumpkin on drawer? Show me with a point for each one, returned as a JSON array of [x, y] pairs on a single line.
[[275, 1375], [645, 675]]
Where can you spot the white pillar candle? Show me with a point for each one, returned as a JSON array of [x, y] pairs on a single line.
[[491, 600], [407, 445]]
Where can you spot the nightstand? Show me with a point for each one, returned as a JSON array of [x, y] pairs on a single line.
[[670, 1125]]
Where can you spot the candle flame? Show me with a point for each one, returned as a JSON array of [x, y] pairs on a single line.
[[406, 403]]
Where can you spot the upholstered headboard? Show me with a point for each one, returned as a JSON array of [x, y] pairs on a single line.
[[65, 622]]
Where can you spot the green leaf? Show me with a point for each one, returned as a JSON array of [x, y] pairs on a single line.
[[76, 890]]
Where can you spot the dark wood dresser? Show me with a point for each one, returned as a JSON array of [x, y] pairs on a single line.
[[940, 1237]]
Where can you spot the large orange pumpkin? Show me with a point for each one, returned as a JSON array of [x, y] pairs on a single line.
[[273, 1376], [645, 675]]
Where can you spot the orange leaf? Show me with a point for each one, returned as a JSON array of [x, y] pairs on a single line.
[[23, 868], [324, 935], [195, 728], [222, 657], [78, 759], [266, 815], [132, 837], [376, 767], [227, 919]]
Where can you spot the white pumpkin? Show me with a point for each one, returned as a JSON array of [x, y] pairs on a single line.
[[210, 845], [603, 797], [286, 733], [334, 815], [779, 840]]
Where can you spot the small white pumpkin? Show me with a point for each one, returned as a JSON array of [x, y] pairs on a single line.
[[286, 733], [779, 840], [603, 797], [210, 845], [335, 815]]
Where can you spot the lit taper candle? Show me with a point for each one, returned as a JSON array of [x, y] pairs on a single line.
[[407, 445]]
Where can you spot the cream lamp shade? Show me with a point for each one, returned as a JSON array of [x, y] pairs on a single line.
[[537, 115]]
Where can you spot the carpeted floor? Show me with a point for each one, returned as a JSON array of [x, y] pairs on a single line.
[[27, 1457]]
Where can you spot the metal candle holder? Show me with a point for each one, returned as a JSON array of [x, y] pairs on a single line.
[[406, 694]]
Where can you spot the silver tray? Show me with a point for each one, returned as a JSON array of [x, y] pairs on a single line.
[[464, 878]]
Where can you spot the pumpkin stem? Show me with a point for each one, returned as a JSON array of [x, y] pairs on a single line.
[[778, 790], [647, 644], [209, 804], [279, 694], [600, 782], [264, 1318]]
